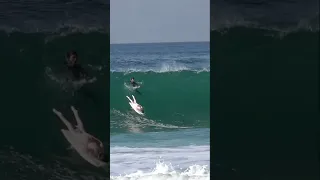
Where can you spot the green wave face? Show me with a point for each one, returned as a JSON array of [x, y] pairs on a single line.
[[175, 98]]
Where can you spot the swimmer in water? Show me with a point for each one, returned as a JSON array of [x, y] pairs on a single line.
[[73, 65], [135, 104], [93, 145], [133, 83]]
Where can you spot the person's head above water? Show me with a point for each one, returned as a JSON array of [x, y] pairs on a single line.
[[71, 58], [132, 79]]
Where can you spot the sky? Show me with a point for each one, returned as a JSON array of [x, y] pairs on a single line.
[[147, 21]]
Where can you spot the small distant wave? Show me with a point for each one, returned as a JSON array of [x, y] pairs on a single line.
[[160, 57], [302, 25], [133, 70], [229, 14], [60, 29], [164, 68]]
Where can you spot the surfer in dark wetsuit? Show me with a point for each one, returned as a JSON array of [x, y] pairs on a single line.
[[76, 69], [133, 83], [79, 75]]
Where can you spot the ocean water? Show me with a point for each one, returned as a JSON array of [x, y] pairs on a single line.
[[265, 89], [34, 37], [171, 141]]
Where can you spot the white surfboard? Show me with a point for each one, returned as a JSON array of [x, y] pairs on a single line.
[[78, 143], [135, 109], [134, 106]]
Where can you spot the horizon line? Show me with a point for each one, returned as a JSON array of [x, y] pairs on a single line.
[[158, 42]]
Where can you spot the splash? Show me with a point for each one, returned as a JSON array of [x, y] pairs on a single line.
[[164, 171]]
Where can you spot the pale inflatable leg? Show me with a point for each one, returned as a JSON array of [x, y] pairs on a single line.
[[129, 99], [134, 99], [63, 119], [79, 122]]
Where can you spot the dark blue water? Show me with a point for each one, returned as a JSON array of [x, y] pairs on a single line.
[[264, 89], [34, 37], [160, 57]]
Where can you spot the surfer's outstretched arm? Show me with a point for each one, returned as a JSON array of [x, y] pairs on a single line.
[[134, 99], [79, 122], [63, 119], [129, 99]]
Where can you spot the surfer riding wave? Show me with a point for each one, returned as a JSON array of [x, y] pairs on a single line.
[[93, 146], [134, 85]]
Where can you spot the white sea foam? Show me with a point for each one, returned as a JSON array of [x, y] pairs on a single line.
[[163, 171], [135, 123], [185, 162], [163, 68]]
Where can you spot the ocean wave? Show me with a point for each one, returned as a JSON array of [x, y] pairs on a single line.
[[166, 70], [134, 153], [163, 97], [13, 161], [163, 68], [229, 14], [273, 32], [136, 124], [302, 25], [163, 171], [25, 16], [60, 29]]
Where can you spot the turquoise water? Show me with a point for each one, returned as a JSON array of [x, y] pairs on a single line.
[[174, 91]]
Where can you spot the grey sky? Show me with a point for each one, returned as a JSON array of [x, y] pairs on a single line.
[[138, 21]]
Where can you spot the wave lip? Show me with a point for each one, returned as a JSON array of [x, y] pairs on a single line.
[[163, 68], [229, 14]]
